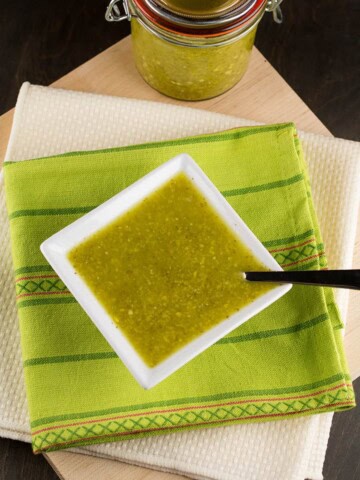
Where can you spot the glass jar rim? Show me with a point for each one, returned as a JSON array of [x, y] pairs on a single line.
[[197, 28], [193, 41], [210, 16]]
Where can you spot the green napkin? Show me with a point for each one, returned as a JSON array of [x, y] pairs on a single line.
[[285, 362]]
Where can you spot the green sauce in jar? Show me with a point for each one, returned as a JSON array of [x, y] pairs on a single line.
[[190, 72], [191, 57]]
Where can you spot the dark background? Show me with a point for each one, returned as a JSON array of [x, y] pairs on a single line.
[[316, 50]]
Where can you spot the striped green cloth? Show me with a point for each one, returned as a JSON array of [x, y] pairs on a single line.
[[285, 362]]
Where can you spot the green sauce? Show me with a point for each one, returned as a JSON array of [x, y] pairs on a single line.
[[167, 270], [187, 72]]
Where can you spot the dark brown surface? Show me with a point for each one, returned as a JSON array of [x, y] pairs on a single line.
[[316, 50], [17, 462]]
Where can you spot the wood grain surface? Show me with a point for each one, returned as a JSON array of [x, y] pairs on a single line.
[[315, 51]]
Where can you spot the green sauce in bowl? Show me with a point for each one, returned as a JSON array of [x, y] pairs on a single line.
[[167, 270]]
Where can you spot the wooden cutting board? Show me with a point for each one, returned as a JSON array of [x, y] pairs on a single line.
[[262, 95]]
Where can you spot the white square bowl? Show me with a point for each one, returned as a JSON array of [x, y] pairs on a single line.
[[57, 247]]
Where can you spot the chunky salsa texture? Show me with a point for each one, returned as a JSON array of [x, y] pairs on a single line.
[[168, 270], [188, 72]]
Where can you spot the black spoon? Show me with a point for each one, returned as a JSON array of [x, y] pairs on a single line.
[[324, 278]]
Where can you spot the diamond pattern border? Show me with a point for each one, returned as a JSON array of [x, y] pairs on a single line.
[[252, 410]]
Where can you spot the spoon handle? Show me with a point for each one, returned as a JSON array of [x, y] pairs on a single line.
[[326, 278]]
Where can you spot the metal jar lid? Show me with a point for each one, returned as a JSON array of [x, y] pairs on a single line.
[[238, 10], [240, 13], [198, 8]]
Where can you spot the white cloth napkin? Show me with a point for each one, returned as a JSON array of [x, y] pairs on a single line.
[[52, 121]]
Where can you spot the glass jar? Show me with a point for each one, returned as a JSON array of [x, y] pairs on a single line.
[[191, 57]]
